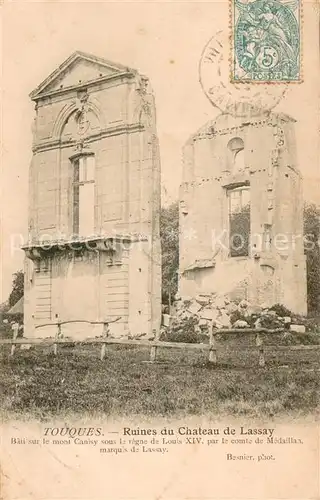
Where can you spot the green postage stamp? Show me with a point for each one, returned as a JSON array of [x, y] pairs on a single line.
[[266, 40]]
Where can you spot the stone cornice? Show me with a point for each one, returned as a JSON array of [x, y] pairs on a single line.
[[114, 247], [125, 76], [232, 181], [37, 249], [108, 132]]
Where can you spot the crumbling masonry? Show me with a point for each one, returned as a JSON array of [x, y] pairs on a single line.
[[241, 212]]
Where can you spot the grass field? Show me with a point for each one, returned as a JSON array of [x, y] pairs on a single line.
[[34, 383]]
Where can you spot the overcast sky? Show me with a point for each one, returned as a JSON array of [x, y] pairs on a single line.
[[163, 41]]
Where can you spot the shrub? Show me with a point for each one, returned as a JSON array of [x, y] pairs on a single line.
[[17, 317], [6, 331], [181, 332], [281, 310], [270, 322], [237, 315], [301, 339], [312, 325]]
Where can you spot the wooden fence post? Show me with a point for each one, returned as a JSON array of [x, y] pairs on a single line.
[[104, 345], [259, 344], [58, 335], [153, 353], [212, 345], [15, 329], [153, 350]]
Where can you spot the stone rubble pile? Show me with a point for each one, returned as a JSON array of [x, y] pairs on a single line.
[[223, 312]]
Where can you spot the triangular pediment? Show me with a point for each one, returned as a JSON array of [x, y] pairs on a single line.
[[78, 69]]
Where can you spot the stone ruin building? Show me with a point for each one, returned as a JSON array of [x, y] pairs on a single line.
[[94, 250], [241, 213]]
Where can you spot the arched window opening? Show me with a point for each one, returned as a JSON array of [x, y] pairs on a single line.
[[239, 221], [83, 195], [236, 148]]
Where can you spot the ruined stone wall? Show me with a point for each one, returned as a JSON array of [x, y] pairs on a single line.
[[270, 172]]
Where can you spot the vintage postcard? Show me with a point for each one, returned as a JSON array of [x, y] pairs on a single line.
[[160, 258]]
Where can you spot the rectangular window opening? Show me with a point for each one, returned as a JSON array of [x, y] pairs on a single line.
[[83, 196], [239, 221]]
